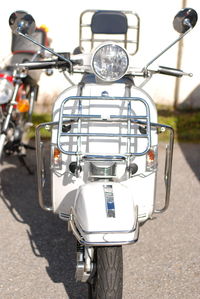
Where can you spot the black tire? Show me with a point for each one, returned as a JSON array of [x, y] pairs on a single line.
[[107, 280]]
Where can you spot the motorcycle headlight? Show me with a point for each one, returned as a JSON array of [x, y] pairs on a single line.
[[6, 90], [110, 62]]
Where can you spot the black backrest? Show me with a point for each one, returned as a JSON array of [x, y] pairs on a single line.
[[99, 26], [109, 22]]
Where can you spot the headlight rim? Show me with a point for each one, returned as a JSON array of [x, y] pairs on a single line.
[[95, 52], [8, 84]]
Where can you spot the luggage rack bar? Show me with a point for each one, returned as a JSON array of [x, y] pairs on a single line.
[[80, 118]]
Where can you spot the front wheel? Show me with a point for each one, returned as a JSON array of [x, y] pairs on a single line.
[[107, 280]]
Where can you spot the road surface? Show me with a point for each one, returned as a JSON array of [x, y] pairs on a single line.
[[37, 255]]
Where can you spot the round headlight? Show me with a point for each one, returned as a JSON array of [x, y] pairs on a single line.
[[110, 62], [6, 90]]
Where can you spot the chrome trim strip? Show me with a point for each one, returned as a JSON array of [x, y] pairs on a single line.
[[109, 200], [103, 157]]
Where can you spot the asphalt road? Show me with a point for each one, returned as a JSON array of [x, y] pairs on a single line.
[[37, 255]]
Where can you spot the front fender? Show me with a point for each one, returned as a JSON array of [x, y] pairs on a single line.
[[105, 212]]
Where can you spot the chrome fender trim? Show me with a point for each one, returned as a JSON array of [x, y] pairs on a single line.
[[80, 239]]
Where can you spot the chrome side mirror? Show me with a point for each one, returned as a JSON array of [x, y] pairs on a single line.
[[183, 22], [21, 22], [185, 19]]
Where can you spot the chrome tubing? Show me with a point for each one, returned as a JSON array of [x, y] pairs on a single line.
[[2, 141], [8, 117], [40, 168], [112, 118], [168, 168], [80, 239]]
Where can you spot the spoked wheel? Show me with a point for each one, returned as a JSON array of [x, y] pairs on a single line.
[[107, 279]]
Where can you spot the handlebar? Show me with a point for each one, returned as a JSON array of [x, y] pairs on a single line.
[[48, 64], [172, 72], [57, 63]]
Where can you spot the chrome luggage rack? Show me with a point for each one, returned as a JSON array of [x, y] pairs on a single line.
[[128, 120], [129, 38]]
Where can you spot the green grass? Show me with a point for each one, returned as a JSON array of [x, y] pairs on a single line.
[[185, 123], [38, 119]]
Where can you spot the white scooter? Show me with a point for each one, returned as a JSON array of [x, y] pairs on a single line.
[[104, 142]]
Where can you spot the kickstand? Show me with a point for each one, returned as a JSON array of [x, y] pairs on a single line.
[[23, 162]]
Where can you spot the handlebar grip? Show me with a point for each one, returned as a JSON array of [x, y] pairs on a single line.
[[37, 65], [170, 71]]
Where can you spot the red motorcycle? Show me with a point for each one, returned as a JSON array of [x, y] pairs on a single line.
[[18, 93]]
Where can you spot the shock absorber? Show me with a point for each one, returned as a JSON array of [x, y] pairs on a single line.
[[80, 262]]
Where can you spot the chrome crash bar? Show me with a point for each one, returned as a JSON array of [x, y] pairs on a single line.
[[80, 239], [41, 169], [168, 165]]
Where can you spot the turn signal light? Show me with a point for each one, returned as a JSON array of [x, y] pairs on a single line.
[[152, 159], [23, 105], [56, 153], [57, 159]]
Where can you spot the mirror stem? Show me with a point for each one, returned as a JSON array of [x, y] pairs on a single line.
[[47, 49], [161, 53]]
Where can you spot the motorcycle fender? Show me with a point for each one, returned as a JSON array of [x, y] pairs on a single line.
[[105, 212]]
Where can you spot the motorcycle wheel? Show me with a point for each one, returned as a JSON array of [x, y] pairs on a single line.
[[107, 280]]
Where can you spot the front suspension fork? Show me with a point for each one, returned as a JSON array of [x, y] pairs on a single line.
[[8, 117]]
